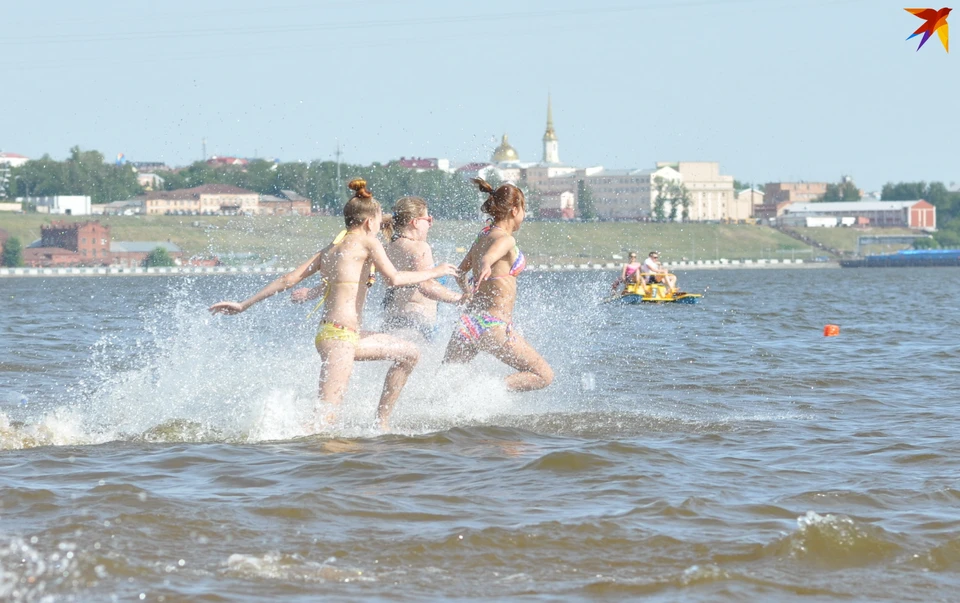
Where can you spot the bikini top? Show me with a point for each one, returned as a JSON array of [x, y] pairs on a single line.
[[519, 264]]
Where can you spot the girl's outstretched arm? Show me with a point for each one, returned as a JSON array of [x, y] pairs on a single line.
[[281, 284], [432, 289], [394, 277]]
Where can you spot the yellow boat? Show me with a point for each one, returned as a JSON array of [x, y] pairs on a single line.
[[654, 293]]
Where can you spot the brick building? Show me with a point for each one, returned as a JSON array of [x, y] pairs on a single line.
[[71, 244], [88, 244]]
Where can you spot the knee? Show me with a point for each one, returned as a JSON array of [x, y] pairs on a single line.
[[409, 357], [546, 375]]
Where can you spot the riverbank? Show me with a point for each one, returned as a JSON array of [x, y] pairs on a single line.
[[288, 240], [221, 270]]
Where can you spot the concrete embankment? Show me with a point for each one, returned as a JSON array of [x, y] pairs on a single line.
[[221, 270]]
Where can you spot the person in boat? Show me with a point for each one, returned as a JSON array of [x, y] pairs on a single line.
[[656, 273], [410, 311], [630, 274], [493, 264], [346, 266]]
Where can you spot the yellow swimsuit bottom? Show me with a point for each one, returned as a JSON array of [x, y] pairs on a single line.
[[334, 331]]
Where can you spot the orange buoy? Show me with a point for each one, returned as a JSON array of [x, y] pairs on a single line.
[[831, 330]]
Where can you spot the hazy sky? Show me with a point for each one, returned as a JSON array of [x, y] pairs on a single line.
[[772, 89]]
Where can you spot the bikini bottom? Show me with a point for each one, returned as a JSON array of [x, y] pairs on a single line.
[[402, 323], [474, 326], [334, 331]]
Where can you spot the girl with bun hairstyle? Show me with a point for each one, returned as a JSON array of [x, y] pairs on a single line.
[[346, 267], [493, 263], [411, 311]]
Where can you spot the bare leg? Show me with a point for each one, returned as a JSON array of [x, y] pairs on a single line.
[[337, 357], [672, 283], [459, 351], [514, 351], [404, 355]]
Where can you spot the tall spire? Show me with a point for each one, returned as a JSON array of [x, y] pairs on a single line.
[[551, 147], [550, 134]]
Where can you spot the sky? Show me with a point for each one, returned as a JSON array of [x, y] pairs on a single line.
[[774, 90]]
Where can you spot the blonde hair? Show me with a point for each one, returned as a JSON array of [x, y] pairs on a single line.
[[362, 206], [502, 200], [404, 210]]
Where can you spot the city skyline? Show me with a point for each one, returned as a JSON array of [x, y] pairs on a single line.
[[774, 91]]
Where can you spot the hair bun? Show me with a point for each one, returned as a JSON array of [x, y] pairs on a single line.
[[359, 187], [485, 186]]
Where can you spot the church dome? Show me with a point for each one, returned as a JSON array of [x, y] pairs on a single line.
[[505, 152]]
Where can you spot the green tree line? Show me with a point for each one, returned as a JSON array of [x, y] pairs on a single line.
[[86, 173], [449, 195], [83, 173]]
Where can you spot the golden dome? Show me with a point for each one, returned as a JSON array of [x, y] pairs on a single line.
[[505, 152]]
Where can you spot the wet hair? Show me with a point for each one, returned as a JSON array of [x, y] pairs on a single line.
[[361, 206], [501, 201], [404, 210]]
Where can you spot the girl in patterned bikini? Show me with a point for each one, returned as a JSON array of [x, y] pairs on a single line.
[[410, 312], [495, 261], [346, 267]]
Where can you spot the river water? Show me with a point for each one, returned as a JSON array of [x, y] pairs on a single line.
[[726, 451]]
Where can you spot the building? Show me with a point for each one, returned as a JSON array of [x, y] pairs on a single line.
[[626, 194], [287, 203], [227, 161], [710, 192], [423, 164], [8, 161], [70, 244], [150, 166], [775, 193], [918, 214], [208, 199], [150, 181], [13, 160], [129, 207], [63, 205], [551, 146], [744, 203], [558, 206], [64, 244], [132, 254], [505, 153]]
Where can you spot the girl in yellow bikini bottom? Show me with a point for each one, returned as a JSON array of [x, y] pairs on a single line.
[[334, 331]]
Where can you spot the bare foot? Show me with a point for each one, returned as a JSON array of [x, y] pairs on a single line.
[[324, 417]]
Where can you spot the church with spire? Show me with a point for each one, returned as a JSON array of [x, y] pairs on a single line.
[[551, 147], [617, 194]]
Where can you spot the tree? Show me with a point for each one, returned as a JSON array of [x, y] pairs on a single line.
[[681, 196], [12, 253], [159, 258], [843, 191], [586, 206], [660, 188]]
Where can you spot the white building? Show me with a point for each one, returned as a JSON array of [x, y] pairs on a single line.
[[67, 205], [710, 193]]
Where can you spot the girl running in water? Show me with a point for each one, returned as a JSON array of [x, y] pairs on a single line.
[[495, 261], [346, 266], [411, 311]]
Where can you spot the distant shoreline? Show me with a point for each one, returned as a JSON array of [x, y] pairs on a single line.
[[24, 272]]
